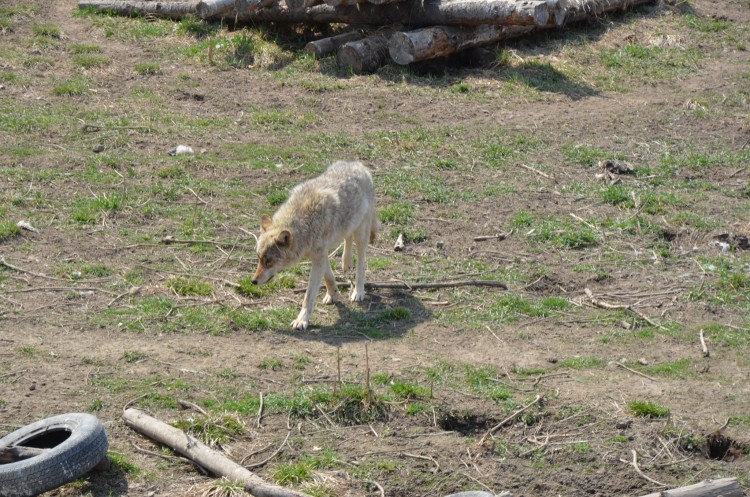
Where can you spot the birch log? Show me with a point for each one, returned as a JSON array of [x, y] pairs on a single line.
[[422, 13], [301, 5], [203, 455], [248, 7], [210, 8], [723, 487], [366, 55], [327, 46], [438, 41], [172, 10]]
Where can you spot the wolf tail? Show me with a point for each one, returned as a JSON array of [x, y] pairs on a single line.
[[374, 227]]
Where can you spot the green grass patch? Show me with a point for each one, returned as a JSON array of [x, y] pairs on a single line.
[[147, 68], [190, 286], [92, 211], [279, 282], [647, 409], [679, 368], [85, 48], [583, 363], [46, 30], [71, 87], [8, 230], [400, 213], [212, 430], [91, 60]]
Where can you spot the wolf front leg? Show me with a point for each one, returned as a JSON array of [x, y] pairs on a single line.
[[313, 285]]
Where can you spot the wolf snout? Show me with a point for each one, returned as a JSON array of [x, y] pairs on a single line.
[[254, 281]]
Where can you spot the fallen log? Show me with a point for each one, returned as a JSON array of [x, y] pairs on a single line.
[[580, 10], [439, 41], [247, 7], [172, 10], [343, 3], [724, 487], [327, 46], [365, 55], [302, 4], [420, 13], [211, 8], [203, 455]]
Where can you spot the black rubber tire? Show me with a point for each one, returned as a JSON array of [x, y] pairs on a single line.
[[76, 442]]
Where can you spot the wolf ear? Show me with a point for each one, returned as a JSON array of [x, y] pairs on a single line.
[[265, 222], [284, 239]]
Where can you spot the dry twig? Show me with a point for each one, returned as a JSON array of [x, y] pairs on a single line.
[[508, 419], [606, 305], [635, 372], [275, 452], [634, 463]]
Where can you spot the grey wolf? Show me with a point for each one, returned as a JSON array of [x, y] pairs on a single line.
[[320, 213]]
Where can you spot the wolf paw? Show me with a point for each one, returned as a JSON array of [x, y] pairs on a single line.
[[300, 324], [357, 296], [330, 299]]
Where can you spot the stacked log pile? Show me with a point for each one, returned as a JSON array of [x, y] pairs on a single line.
[[407, 31]]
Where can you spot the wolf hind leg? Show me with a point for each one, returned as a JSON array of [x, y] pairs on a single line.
[[332, 292], [346, 260]]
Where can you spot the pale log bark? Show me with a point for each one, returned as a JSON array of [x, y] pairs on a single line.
[[343, 3], [302, 4], [421, 13], [366, 55], [327, 46], [580, 10], [203, 455], [246, 8], [724, 487], [211, 8], [173, 10], [438, 41]]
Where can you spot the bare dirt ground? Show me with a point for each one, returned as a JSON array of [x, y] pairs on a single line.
[[97, 313]]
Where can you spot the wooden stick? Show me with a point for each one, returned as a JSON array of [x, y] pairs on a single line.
[[704, 347], [260, 411], [606, 305], [195, 450], [264, 461], [508, 419], [536, 171], [168, 240], [395, 285], [634, 463], [635, 372], [498, 236]]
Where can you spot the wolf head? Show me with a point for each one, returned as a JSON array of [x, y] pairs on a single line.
[[274, 251]]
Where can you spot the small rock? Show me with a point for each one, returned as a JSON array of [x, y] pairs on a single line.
[[642, 361], [98, 148], [25, 225], [552, 360], [440, 245], [623, 424], [181, 150]]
